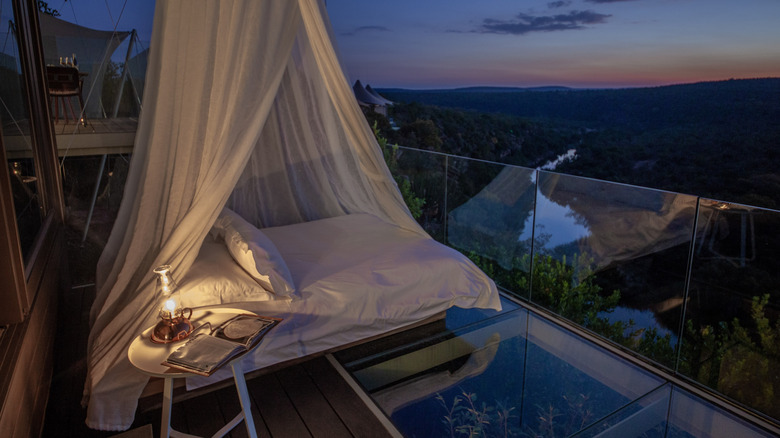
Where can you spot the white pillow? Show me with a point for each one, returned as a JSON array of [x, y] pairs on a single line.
[[215, 278], [255, 252]]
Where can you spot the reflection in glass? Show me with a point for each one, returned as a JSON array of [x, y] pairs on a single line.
[[491, 219], [15, 120], [613, 258], [692, 417], [505, 381], [427, 390], [571, 383], [644, 418], [421, 176], [107, 45], [731, 341], [92, 50]]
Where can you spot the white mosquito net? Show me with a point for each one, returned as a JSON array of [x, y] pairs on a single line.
[[232, 87]]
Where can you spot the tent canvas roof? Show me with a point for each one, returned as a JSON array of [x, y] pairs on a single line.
[[364, 96], [93, 49], [373, 92]]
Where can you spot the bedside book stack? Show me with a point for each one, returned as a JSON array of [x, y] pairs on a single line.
[[205, 353]]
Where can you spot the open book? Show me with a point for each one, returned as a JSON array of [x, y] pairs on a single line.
[[205, 352]]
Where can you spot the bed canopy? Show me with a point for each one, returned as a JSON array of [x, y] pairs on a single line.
[[245, 105]]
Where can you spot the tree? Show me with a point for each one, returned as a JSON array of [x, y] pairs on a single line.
[[414, 203], [43, 7]]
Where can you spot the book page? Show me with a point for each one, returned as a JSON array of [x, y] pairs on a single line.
[[245, 329], [203, 354]]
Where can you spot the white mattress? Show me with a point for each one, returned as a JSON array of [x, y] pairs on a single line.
[[355, 277]]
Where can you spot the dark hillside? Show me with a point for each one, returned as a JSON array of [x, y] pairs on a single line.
[[713, 139], [749, 101]]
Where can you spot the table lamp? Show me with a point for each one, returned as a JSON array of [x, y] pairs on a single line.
[[174, 324]]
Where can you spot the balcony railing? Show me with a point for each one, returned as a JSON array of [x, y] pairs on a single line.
[[689, 284]]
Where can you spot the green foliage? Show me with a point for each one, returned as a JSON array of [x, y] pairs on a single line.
[[44, 8], [737, 361], [494, 137], [465, 418], [422, 134], [569, 290], [413, 202]]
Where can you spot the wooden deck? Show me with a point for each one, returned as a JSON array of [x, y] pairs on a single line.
[[309, 399], [97, 137]]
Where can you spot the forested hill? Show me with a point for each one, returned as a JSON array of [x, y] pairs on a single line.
[[745, 101], [713, 139]]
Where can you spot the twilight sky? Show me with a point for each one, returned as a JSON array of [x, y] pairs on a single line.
[[576, 43]]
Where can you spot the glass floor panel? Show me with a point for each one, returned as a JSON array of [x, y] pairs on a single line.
[[517, 374]]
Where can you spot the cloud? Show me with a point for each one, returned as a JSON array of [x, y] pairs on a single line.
[[559, 4], [524, 23], [607, 1], [363, 29]]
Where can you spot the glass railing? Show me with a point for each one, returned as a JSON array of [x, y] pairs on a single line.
[[689, 284]]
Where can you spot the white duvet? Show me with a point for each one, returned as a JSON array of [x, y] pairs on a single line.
[[355, 277]]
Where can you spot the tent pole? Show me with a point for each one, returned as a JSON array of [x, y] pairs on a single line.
[[124, 75], [94, 198], [103, 159]]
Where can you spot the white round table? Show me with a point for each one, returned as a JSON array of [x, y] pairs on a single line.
[[147, 357]]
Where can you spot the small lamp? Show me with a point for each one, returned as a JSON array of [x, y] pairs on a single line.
[[174, 324]]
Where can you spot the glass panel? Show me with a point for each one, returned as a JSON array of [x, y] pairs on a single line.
[[458, 317], [472, 381], [690, 416], [15, 119], [613, 258], [490, 219], [644, 418], [732, 333], [421, 176], [495, 379], [570, 383], [96, 115], [85, 52]]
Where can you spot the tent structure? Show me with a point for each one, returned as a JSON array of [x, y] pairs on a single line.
[[93, 49], [367, 97], [374, 93], [364, 97], [245, 105]]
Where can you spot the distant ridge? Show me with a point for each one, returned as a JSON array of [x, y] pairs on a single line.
[[735, 102], [483, 89]]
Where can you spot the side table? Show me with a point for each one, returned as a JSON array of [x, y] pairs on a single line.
[[148, 356]]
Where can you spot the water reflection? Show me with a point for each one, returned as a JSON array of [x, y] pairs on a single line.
[[624, 222], [495, 222], [607, 244]]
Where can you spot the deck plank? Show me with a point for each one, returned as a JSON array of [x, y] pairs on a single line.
[[351, 408], [231, 406], [313, 407], [276, 409], [203, 414]]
